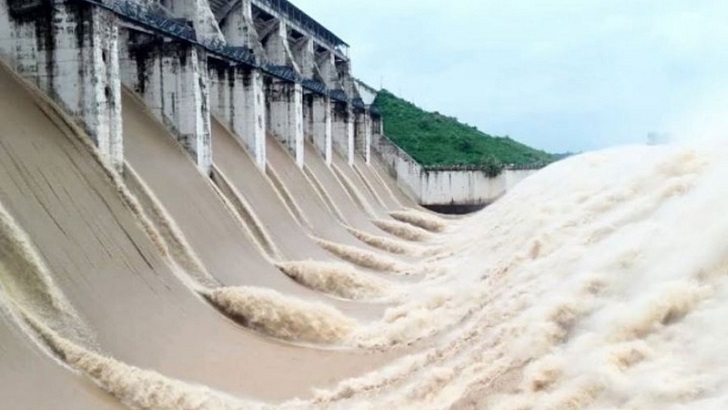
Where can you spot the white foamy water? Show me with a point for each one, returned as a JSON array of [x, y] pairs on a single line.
[[597, 283]]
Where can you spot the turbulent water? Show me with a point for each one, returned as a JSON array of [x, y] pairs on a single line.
[[599, 282]]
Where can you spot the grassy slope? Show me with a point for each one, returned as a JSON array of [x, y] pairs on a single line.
[[436, 140]]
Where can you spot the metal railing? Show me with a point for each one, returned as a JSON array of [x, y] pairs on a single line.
[[339, 95], [358, 103], [313, 85], [296, 15], [181, 30]]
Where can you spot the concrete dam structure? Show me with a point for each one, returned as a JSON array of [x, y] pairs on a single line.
[[192, 217]]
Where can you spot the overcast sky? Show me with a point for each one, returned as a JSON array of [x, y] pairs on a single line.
[[560, 75]]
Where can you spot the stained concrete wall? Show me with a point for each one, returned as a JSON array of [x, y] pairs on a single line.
[[81, 55], [442, 188], [343, 130], [363, 134], [69, 50], [172, 78], [285, 102], [318, 125], [237, 98]]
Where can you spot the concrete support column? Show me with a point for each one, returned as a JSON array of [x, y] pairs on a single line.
[[239, 29], [85, 73], [343, 130], [189, 108], [197, 12], [304, 55], [237, 98], [286, 116], [276, 47], [70, 50], [244, 105], [172, 79], [322, 129], [327, 67], [363, 134]]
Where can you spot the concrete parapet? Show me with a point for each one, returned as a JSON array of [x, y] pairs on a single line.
[[70, 50], [446, 190], [172, 78], [285, 109]]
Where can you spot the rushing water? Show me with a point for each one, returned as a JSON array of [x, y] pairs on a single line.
[[599, 282]]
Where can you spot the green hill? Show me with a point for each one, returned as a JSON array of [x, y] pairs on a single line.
[[433, 139]]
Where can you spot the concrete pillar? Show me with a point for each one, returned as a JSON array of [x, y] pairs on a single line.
[[276, 47], [363, 134], [326, 63], [322, 130], [237, 98], [242, 97], [286, 115], [70, 50], [304, 55], [285, 99], [343, 130], [172, 79], [199, 13]]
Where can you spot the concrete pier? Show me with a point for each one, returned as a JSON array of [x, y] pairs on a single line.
[[238, 91], [285, 97], [171, 76], [237, 98], [260, 67], [69, 49], [363, 134], [343, 130], [366, 123], [285, 101], [319, 124]]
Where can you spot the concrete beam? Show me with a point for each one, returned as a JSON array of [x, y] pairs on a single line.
[[343, 130], [237, 98], [172, 79], [70, 50], [285, 102]]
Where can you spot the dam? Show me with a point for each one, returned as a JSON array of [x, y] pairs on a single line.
[[199, 210]]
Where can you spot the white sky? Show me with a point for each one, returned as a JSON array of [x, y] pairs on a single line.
[[561, 75]]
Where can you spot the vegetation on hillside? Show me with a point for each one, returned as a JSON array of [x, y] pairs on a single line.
[[433, 139]]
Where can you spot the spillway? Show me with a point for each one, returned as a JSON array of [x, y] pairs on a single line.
[[180, 242], [139, 307], [36, 380], [379, 168], [599, 282]]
